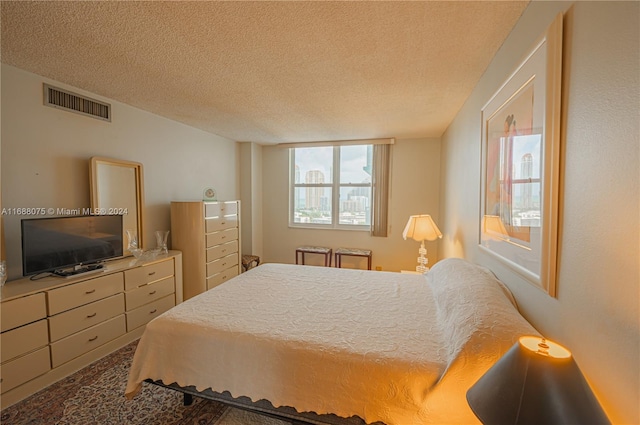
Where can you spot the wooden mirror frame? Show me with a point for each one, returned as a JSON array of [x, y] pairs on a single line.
[[99, 207]]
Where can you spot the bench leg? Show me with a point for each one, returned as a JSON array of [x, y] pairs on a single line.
[[188, 399]]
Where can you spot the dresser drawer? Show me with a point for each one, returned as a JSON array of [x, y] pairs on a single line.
[[220, 223], [146, 274], [221, 277], [84, 341], [69, 322], [23, 369], [144, 314], [218, 238], [78, 294], [21, 311], [148, 293], [220, 251], [223, 263], [23, 339], [220, 209]]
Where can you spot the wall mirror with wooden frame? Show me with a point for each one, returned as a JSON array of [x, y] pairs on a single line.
[[117, 188]]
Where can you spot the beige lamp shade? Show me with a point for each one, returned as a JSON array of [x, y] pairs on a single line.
[[494, 227], [421, 228]]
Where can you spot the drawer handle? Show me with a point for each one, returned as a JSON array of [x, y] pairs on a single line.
[[152, 273], [224, 277], [153, 311], [152, 292], [90, 292], [91, 315], [224, 237], [224, 264], [93, 339], [224, 250], [223, 222]]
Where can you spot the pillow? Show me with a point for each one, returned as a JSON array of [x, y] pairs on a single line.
[[475, 311]]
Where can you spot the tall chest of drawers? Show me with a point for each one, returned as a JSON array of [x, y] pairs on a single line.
[[52, 327], [208, 235]]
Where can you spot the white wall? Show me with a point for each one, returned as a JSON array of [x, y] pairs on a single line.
[[251, 197], [46, 151], [596, 312], [414, 190]]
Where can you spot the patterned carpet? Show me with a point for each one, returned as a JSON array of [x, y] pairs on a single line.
[[95, 395]]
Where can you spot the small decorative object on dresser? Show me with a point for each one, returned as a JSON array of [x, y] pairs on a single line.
[[209, 194], [132, 244], [161, 241], [208, 234], [3, 272]]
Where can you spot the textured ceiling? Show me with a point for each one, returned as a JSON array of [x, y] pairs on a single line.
[[269, 72]]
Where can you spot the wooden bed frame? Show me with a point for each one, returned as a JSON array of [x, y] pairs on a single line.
[[262, 407]]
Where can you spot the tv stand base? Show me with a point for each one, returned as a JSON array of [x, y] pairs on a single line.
[[91, 268]]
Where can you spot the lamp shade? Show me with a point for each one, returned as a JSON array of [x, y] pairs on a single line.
[[493, 225], [420, 228], [535, 382]]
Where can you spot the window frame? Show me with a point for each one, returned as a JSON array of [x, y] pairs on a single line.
[[335, 186]]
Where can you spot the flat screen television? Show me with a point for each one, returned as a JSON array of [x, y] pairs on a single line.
[[69, 245]]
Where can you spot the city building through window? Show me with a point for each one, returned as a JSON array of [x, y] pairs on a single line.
[[331, 186]]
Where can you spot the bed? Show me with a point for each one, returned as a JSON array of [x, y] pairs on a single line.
[[380, 346]]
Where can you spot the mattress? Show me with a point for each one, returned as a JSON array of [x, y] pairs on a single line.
[[389, 347]]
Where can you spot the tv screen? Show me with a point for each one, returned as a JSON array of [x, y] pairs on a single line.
[[58, 243]]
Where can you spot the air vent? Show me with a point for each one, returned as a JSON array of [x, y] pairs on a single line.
[[62, 99]]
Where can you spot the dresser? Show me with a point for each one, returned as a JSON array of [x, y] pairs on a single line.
[[54, 326], [208, 235]]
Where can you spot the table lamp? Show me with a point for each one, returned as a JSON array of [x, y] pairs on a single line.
[[535, 382], [494, 227], [421, 228]]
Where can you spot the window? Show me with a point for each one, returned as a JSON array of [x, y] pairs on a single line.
[[331, 186]]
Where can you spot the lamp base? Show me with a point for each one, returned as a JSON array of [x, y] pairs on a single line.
[[422, 260]]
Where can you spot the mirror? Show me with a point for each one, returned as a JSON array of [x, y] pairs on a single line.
[[116, 188]]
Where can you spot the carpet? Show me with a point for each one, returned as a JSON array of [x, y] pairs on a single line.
[[95, 395]]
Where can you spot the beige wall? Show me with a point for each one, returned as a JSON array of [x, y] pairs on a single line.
[[251, 197], [414, 190], [45, 157], [596, 312]]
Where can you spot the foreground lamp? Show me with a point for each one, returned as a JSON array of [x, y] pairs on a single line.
[[535, 382], [421, 228]]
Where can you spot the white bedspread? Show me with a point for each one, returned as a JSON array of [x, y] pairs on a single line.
[[390, 347]]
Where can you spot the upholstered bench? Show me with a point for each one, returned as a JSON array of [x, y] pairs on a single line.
[[355, 252], [315, 250], [250, 261]]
